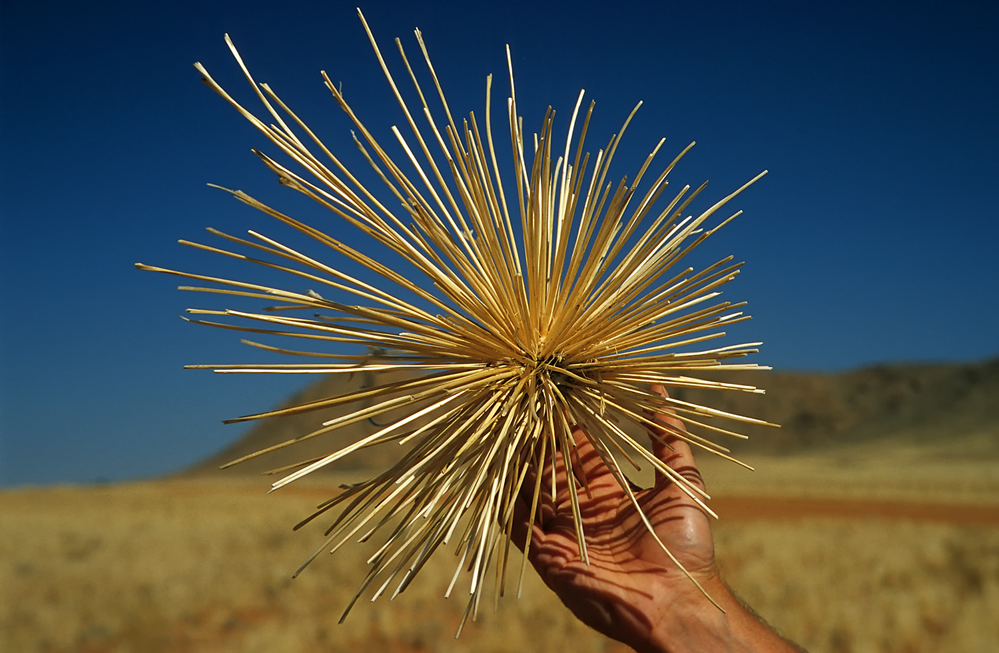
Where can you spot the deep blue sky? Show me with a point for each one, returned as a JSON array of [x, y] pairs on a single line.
[[872, 239]]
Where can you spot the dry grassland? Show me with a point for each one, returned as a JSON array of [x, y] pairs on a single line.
[[204, 565]]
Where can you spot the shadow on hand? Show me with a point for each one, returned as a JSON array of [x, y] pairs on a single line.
[[630, 581]]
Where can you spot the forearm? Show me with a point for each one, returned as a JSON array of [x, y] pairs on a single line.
[[697, 625]]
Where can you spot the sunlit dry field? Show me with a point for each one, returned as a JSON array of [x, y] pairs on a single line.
[[884, 547]]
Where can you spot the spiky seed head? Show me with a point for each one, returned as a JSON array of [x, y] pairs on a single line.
[[551, 296]]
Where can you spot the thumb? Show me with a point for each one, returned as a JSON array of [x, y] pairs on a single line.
[[669, 446]]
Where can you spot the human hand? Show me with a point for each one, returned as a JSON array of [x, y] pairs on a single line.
[[632, 590]]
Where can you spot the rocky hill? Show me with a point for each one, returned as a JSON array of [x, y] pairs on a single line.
[[919, 401]]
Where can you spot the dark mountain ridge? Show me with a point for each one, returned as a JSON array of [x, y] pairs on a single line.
[[815, 410]]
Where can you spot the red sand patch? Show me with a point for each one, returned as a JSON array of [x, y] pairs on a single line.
[[747, 508], [768, 508]]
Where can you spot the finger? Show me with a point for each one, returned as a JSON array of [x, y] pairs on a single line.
[[528, 524], [587, 465], [555, 482], [521, 524], [535, 491], [670, 448]]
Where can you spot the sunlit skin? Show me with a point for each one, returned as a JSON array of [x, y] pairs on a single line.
[[631, 590]]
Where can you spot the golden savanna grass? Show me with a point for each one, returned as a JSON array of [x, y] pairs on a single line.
[[205, 565]]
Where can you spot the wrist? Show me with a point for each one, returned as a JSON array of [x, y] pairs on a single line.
[[693, 623]]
